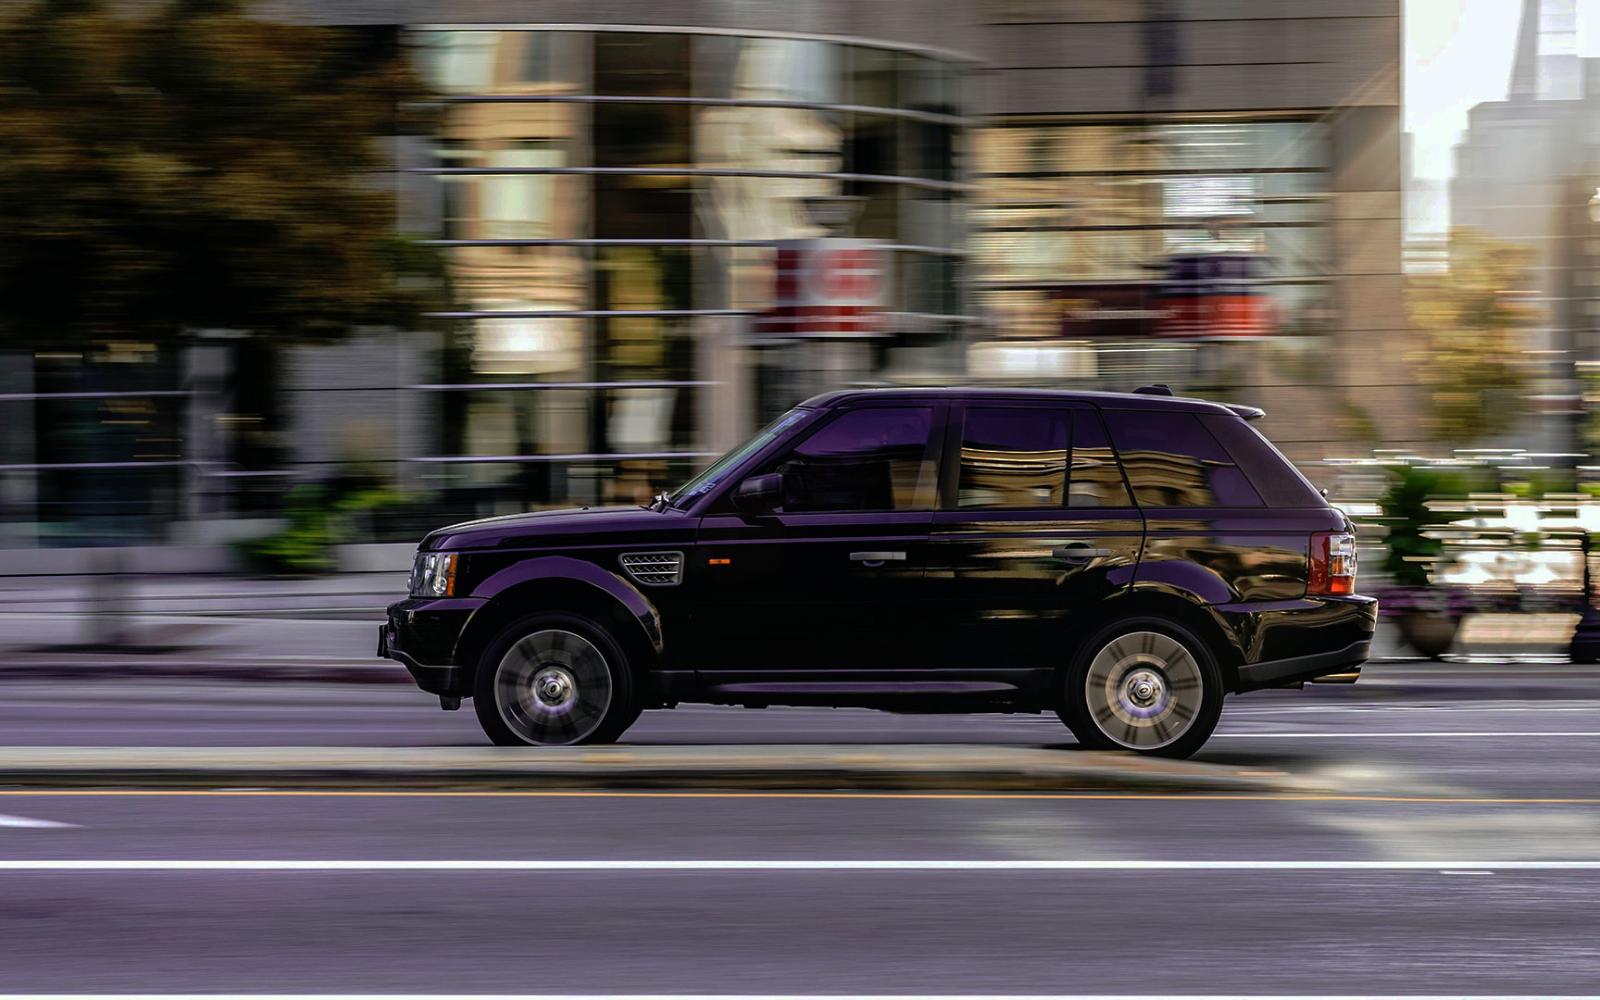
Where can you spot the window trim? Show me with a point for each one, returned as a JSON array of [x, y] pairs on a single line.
[[1099, 417]]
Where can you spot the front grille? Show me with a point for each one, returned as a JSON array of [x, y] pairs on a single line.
[[654, 569]]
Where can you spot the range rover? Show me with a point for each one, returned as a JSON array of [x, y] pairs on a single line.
[[1125, 560]]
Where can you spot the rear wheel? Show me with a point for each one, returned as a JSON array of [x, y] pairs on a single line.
[[1145, 685], [554, 680]]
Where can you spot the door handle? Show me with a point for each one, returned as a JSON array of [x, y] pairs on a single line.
[[1078, 552], [877, 558]]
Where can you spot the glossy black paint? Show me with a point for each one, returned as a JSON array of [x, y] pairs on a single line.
[[940, 603]]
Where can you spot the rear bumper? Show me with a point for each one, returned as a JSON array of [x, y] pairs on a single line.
[[1292, 641], [421, 634], [1275, 673]]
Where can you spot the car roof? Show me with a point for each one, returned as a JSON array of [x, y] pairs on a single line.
[[1108, 400]]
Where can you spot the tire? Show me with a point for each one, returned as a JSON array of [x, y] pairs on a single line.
[[554, 680], [1144, 685]]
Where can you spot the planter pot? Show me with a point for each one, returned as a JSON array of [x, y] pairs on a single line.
[[1429, 633]]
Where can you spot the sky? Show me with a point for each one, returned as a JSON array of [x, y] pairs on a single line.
[[1458, 53]]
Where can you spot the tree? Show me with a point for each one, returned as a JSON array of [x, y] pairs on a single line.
[[1472, 319], [197, 168]]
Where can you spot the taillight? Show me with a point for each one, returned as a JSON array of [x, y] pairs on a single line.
[[1333, 563]]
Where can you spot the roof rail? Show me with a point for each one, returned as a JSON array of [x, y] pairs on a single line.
[[1156, 389]]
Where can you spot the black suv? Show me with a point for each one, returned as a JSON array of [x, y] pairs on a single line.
[[1124, 560]]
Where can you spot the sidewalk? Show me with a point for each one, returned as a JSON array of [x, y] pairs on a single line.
[[861, 767]]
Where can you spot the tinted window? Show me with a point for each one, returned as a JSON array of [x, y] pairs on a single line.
[[1096, 480], [1173, 461], [1279, 483], [863, 460], [708, 480], [1013, 458]]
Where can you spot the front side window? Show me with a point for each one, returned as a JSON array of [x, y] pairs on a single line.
[[864, 460], [1013, 458], [707, 481], [1173, 461]]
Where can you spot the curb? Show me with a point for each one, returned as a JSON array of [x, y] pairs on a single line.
[[905, 768], [69, 666]]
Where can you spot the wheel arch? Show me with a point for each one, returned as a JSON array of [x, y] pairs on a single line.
[[1200, 619], [560, 583]]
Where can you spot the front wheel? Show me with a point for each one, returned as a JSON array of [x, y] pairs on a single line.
[[554, 680], [1145, 685]]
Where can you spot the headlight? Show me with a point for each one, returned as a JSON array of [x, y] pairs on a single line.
[[434, 575]]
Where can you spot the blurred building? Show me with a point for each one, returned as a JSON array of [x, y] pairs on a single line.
[[1526, 170], [1200, 192], [1088, 193], [610, 201]]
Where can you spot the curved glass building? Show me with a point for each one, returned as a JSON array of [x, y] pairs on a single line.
[[608, 202]]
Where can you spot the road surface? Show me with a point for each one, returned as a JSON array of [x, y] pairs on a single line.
[[1461, 856]]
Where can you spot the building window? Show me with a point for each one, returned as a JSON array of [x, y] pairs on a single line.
[[1154, 229]]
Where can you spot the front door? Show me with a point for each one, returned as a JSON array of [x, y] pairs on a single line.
[[1036, 531], [829, 581]]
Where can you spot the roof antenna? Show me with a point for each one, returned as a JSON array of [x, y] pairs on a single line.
[[1158, 389]]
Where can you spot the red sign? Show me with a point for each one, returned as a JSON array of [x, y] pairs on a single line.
[[827, 287]]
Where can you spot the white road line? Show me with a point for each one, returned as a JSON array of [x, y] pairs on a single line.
[[790, 864], [1374, 734], [1490, 707], [29, 823], [769, 996]]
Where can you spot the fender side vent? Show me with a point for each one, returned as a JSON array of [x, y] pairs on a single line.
[[654, 569]]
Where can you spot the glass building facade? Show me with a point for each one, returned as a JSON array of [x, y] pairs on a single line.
[[607, 201], [1150, 232]]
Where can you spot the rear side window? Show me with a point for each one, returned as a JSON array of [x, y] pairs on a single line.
[[1013, 458], [1095, 481], [1173, 461], [1274, 477], [871, 459]]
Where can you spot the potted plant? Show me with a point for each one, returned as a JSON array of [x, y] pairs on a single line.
[[1428, 615]]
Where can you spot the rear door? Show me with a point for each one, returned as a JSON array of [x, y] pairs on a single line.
[[833, 580], [1036, 529]]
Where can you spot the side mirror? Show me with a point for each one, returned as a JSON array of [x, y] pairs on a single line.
[[759, 494]]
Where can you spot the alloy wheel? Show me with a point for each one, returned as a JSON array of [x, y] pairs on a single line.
[[1144, 690], [553, 687]]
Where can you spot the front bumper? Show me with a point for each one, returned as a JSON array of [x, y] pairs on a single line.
[[422, 633], [1293, 641]]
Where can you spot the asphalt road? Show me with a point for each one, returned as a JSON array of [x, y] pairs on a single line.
[[1474, 791]]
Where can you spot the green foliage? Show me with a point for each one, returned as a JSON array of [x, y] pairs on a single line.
[[1412, 553], [1538, 483], [1472, 318], [319, 519], [192, 167]]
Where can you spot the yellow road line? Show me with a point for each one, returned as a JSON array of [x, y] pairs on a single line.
[[871, 796]]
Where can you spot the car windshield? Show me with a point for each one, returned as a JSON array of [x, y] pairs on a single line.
[[708, 480]]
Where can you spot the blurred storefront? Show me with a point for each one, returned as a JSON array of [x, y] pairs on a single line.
[[1062, 192], [610, 202]]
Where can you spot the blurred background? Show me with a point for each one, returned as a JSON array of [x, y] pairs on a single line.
[[286, 284], [283, 285]]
